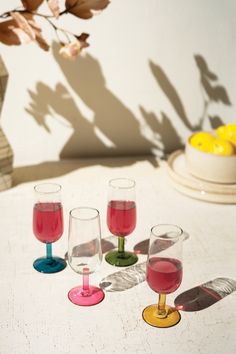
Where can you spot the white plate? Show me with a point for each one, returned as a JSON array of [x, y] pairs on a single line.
[[196, 188]]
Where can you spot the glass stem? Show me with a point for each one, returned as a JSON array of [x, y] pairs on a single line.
[[85, 291], [121, 247], [161, 306], [48, 250]]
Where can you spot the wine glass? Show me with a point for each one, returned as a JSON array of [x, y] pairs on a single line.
[[85, 253], [164, 273], [121, 219], [48, 225]]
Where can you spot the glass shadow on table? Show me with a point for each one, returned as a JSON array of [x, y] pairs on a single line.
[[124, 279], [205, 295], [106, 245], [128, 278], [142, 247]]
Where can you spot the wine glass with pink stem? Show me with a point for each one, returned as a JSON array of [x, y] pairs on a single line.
[[121, 219], [48, 225], [164, 273], [85, 253]]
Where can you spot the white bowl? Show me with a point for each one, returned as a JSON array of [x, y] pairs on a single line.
[[210, 167]]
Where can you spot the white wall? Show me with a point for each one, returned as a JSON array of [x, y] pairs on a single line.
[[137, 88]]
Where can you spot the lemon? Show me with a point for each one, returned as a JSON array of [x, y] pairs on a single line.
[[223, 147], [202, 141], [227, 132], [222, 132], [231, 129]]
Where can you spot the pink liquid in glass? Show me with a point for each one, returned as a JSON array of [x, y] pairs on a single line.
[[48, 221], [121, 217], [164, 275]]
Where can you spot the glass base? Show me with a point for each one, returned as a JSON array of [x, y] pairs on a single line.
[[150, 316], [89, 298], [49, 265], [121, 259]]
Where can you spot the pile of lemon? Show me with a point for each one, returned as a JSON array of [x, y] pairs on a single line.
[[222, 141]]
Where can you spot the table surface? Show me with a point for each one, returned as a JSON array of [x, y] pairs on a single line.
[[35, 313]]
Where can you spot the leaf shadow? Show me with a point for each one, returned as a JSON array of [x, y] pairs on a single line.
[[212, 92], [94, 142], [171, 93], [208, 79], [47, 101], [164, 128], [106, 135]]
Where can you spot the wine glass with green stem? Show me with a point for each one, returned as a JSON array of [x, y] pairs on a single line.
[[121, 219]]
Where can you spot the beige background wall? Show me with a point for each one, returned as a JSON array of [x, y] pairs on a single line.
[[155, 71]]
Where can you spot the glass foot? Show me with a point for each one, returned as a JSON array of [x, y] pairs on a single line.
[[89, 298], [49, 265], [150, 316], [121, 259]]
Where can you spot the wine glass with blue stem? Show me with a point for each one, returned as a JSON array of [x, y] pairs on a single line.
[[48, 225]]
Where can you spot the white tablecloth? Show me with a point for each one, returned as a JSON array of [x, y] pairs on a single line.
[[37, 317]]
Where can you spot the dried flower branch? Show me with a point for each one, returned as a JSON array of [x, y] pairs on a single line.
[[19, 26]]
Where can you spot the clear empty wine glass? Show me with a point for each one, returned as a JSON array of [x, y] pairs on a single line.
[[85, 253], [121, 219], [48, 225], [164, 273]]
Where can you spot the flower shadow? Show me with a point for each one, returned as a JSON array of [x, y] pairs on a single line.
[[112, 121]]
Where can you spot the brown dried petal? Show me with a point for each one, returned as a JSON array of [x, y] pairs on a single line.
[[12, 35], [34, 25], [54, 7], [82, 39], [31, 5], [22, 35], [41, 41], [85, 8], [23, 24], [31, 21], [70, 3]]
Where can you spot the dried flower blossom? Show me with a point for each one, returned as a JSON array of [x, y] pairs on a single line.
[[70, 50], [18, 26]]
